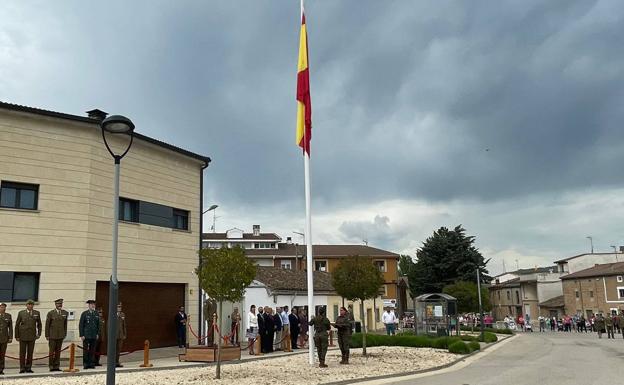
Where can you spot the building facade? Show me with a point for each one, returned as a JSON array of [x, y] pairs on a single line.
[[56, 215], [598, 289]]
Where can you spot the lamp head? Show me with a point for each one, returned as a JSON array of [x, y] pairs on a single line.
[[117, 124]]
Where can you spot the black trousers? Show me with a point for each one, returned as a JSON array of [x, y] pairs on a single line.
[[294, 334], [88, 353], [3, 348], [181, 333]]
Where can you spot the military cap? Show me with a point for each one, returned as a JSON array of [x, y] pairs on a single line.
[[2, 304], [90, 301], [60, 300], [30, 302], [119, 303]]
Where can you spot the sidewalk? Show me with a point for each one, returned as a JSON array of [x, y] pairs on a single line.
[[161, 358]]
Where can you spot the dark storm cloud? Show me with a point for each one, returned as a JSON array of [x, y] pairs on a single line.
[[436, 100]]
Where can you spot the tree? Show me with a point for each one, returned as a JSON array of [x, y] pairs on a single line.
[[224, 274], [357, 278], [406, 264], [466, 294], [446, 257]]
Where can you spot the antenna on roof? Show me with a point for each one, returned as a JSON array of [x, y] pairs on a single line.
[[365, 242]]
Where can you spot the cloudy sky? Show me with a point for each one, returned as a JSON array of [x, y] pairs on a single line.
[[503, 116]]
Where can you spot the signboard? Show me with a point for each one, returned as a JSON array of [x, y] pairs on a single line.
[[389, 303], [437, 311]]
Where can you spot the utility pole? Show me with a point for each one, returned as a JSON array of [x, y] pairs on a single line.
[[591, 243], [480, 305]]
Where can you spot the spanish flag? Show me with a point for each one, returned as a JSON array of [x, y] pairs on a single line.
[[304, 104]]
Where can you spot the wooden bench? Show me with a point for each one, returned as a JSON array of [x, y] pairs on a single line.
[[209, 354]]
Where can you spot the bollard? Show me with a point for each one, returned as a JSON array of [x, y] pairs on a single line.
[[331, 338], [72, 359], [258, 346], [288, 343], [146, 349]]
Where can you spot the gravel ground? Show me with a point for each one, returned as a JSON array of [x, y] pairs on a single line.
[[291, 370]]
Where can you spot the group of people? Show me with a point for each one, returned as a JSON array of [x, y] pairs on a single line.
[[274, 328], [29, 327], [599, 323]]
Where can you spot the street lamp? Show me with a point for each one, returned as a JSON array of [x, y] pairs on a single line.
[[213, 208], [480, 304], [591, 243], [114, 126], [615, 252]]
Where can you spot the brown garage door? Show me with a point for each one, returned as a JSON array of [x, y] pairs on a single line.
[[150, 309]]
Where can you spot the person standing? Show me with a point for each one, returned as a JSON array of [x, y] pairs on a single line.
[[277, 321], [6, 333], [303, 327], [599, 325], [609, 325], [235, 319], [542, 323], [293, 320], [55, 333], [180, 323], [252, 328], [343, 324], [321, 327], [388, 319], [269, 327], [285, 326], [89, 330], [27, 331], [122, 333], [261, 328], [101, 337]]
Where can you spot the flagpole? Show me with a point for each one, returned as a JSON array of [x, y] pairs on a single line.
[[308, 238]]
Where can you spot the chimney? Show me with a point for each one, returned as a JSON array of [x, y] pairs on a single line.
[[96, 114], [289, 240], [256, 230]]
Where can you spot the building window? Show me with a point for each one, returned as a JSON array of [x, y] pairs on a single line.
[[620, 278], [286, 264], [19, 195], [25, 286], [591, 294], [180, 219], [508, 296], [517, 296], [620, 290], [381, 266], [498, 294], [576, 294], [320, 265], [264, 245], [128, 210]]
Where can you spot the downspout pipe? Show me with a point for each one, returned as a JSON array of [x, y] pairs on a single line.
[[200, 309]]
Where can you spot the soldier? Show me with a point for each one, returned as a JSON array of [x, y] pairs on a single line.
[[609, 325], [101, 337], [121, 332], [599, 325], [55, 333], [321, 327], [343, 324], [27, 331], [89, 329], [6, 333]]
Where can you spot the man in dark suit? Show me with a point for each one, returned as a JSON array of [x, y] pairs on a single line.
[[294, 327], [180, 322], [269, 326], [261, 327]]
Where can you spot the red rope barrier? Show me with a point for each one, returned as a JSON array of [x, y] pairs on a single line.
[[35, 358]]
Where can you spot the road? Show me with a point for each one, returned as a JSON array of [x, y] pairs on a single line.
[[540, 358]]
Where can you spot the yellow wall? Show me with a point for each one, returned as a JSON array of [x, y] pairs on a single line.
[[68, 239]]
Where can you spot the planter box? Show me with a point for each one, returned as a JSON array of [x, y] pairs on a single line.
[[209, 354]]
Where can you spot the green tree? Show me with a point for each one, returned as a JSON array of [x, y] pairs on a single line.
[[224, 274], [446, 257], [406, 264], [356, 278], [466, 294]]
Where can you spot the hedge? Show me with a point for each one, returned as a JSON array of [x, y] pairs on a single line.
[[474, 345], [459, 347], [491, 330], [488, 337], [422, 341]]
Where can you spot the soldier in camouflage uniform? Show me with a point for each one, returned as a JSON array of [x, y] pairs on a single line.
[[89, 328], [321, 327], [55, 333], [6, 333], [27, 331], [343, 324]]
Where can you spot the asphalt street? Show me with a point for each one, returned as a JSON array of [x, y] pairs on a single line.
[[541, 358]]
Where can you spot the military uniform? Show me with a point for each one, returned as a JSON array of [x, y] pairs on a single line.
[[100, 340], [6, 335], [609, 325], [55, 333], [89, 328], [321, 327], [27, 330], [599, 325], [121, 334], [343, 324]]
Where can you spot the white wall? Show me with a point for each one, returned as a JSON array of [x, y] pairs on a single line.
[[589, 260], [549, 290]]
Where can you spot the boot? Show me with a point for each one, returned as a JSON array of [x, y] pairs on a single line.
[[322, 364], [342, 360]]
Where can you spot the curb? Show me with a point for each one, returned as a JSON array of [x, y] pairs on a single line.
[[421, 371]]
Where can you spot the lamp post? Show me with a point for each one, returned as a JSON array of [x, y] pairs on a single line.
[[480, 305], [114, 126], [615, 252], [213, 208], [591, 243]]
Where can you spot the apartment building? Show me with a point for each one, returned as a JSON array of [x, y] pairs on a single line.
[[596, 289]]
